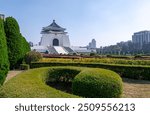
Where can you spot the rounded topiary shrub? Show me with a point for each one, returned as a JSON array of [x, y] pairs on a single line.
[[97, 83], [32, 56]]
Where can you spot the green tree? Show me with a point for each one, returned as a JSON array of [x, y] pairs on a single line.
[[25, 46], [32, 56], [16, 43], [4, 63]]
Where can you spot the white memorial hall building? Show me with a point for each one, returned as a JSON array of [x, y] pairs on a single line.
[[54, 40]]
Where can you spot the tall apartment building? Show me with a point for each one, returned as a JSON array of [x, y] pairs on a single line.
[[140, 38], [92, 44]]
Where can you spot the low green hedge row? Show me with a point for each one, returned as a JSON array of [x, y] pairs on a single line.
[[86, 82], [24, 66], [128, 71]]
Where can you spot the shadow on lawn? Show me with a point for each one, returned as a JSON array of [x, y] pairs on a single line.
[[132, 81], [63, 86]]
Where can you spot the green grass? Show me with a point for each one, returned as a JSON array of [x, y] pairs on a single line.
[[30, 84]]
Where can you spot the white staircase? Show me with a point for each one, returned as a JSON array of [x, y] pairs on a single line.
[[60, 50]]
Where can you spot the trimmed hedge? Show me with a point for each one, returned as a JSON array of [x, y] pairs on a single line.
[[24, 66], [97, 83], [87, 82], [65, 75], [127, 71]]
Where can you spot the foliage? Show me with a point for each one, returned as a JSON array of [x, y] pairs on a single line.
[[32, 56], [64, 75], [24, 67], [92, 54], [128, 71], [126, 48], [33, 82], [97, 83], [17, 45], [25, 46], [99, 60], [4, 63], [137, 56]]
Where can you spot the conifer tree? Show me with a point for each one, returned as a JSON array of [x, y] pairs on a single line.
[[15, 42], [4, 63]]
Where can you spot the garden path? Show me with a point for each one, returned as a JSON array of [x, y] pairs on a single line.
[[12, 74]]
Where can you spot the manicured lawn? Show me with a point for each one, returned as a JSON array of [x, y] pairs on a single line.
[[31, 84]]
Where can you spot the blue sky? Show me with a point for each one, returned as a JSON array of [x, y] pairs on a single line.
[[107, 21]]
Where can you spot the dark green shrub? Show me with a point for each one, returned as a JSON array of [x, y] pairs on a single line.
[[97, 83], [16, 43], [109, 56], [24, 67], [92, 54], [62, 75], [137, 56], [32, 56], [2, 76], [4, 63]]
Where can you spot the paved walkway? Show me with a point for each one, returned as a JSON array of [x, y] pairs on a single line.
[[12, 74]]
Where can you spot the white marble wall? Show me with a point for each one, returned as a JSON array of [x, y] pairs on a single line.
[[47, 39]]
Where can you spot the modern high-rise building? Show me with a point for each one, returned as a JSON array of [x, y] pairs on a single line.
[[92, 44], [140, 38]]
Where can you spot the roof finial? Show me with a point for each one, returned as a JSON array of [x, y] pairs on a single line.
[[53, 20]]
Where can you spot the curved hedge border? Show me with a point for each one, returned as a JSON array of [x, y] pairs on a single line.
[[128, 71], [86, 82]]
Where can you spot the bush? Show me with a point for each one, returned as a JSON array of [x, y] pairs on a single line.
[[24, 67], [137, 56], [4, 63], [97, 83], [32, 56], [64, 75], [92, 54]]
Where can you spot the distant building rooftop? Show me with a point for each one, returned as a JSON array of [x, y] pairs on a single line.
[[140, 32], [53, 27]]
